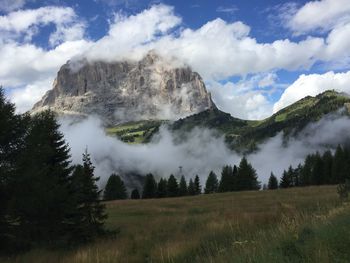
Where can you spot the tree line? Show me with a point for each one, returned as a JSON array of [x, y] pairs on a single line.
[[317, 169], [45, 200], [234, 178]]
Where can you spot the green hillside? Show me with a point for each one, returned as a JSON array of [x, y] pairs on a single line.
[[242, 134], [136, 132]]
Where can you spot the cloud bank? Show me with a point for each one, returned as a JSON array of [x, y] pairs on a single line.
[[200, 151]]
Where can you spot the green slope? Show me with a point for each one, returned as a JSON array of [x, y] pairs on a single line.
[[243, 134], [136, 132]]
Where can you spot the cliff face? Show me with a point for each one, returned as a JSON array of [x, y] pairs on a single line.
[[125, 91]]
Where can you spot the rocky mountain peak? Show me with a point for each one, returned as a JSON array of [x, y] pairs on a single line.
[[152, 88]]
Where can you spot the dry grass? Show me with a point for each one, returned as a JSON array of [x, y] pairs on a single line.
[[229, 227]]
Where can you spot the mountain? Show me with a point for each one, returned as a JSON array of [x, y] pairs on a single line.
[[244, 134], [126, 91]]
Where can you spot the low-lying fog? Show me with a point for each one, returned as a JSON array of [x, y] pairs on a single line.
[[200, 152]]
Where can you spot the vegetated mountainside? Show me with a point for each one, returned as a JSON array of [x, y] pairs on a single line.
[[117, 92], [245, 134], [136, 131]]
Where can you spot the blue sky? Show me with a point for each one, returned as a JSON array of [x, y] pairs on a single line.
[[255, 56], [255, 13]]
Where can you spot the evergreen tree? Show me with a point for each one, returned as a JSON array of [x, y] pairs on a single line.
[[135, 194], [149, 187], [327, 160], [286, 181], [247, 178], [191, 188], [306, 172], [162, 188], [317, 171], [227, 179], [234, 182], [183, 191], [291, 175], [89, 212], [297, 175], [173, 187], [273, 182], [212, 184], [12, 134], [339, 168], [42, 199], [197, 185], [115, 188]]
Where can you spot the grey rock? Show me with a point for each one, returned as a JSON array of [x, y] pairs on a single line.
[[124, 91]]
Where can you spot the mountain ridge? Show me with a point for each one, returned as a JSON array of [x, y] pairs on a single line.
[[127, 90], [244, 134]]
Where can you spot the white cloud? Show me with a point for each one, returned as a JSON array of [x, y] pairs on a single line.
[[313, 84], [10, 5], [338, 44], [24, 64], [128, 35], [241, 99], [236, 53], [32, 69], [268, 80], [319, 15], [227, 9], [219, 49], [26, 97], [27, 23]]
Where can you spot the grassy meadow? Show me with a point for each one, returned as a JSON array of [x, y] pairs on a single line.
[[293, 225]]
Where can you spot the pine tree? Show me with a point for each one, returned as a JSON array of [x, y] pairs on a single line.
[[293, 176], [162, 188], [227, 179], [247, 178], [297, 175], [173, 187], [273, 182], [89, 213], [42, 199], [12, 134], [191, 188], [317, 171], [212, 184], [135, 194], [197, 185], [234, 181], [149, 187], [183, 191], [115, 188], [306, 172], [285, 181], [339, 168], [327, 159]]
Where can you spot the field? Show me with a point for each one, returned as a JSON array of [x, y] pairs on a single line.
[[294, 225], [135, 132]]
